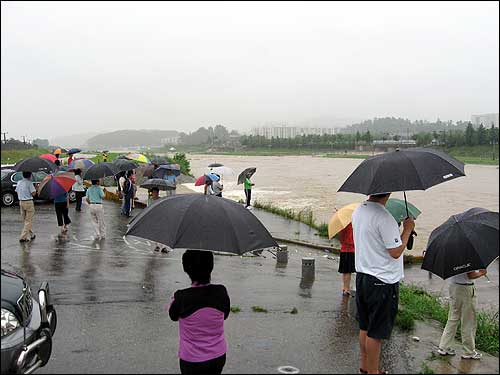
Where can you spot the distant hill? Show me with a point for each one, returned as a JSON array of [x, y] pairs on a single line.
[[129, 138], [75, 140]]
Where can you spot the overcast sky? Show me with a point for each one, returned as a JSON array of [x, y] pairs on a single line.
[[70, 68]]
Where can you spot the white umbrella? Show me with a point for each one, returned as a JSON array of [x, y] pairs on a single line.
[[222, 171]]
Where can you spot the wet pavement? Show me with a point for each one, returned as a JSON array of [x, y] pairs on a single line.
[[111, 296]]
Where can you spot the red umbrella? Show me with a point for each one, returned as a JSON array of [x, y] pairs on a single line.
[[55, 184], [49, 157], [200, 180]]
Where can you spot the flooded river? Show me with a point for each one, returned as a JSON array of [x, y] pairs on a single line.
[[300, 182]]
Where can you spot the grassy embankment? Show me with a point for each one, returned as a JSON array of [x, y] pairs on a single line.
[[415, 303], [482, 155], [304, 216], [13, 156]]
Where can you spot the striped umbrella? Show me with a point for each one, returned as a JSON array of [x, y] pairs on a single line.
[[48, 157], [82, 164], [140, 158], [55, 184]]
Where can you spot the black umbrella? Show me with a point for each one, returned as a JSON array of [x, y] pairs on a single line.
[[213, 165], [158, 160], [125, 164], [159, 183], [401, 170], [243, 175], [161, 171], [465, 242], [35, 164], [100, 170], [72, 151], [203, 222]]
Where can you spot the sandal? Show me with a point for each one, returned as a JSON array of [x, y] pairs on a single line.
[[348, 293]]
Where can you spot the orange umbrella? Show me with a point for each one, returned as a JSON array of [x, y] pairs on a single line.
[[57, 151]]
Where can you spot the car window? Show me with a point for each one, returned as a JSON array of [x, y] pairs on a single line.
[[38, 176], [4, 174], [16, 177]]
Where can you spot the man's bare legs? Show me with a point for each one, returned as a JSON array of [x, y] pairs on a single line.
[[370, 352]]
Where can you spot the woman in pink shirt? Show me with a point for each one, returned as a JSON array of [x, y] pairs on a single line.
[[201, 311]]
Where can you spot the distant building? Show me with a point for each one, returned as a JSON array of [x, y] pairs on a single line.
[[283, 131], [170, 140], [487, 120]]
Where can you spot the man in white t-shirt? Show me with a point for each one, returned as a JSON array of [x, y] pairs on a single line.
[[379, 268]]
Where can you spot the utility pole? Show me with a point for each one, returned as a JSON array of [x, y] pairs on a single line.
[[4, 139]]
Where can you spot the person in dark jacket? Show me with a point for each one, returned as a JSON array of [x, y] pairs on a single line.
[[201, 311]]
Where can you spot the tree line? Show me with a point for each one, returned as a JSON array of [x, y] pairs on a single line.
[[450, 135]]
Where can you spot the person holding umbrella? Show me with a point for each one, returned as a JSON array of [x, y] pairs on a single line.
[[456, 250], [170, 177], [346, 263], [200, 310], [248, 190], [128, 194], [79, 189], [462, 309], [94, 197], [379, 268], [61, 204], [25, 193]]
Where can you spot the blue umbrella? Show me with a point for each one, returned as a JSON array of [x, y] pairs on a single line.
[[213, 177], [162, 169], [81, 163]]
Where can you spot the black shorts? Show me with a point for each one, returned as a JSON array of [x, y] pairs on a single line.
[[346, 263], [213, 366], [377, 304]]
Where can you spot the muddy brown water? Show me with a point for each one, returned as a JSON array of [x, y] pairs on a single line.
[[301, 182]]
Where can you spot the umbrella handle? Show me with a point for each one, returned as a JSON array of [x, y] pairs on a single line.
[[406, 205]]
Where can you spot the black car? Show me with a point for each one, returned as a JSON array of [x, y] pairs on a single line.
[[10, 178], [27, 325]]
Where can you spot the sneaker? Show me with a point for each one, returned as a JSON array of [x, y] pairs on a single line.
[[157, 248], [473, 355], [448, 351], [23, 240], [249, 208], [165, 250]]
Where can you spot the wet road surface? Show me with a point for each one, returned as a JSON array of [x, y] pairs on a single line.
[[111, 296]]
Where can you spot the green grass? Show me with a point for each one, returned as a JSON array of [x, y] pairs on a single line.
[[304, 216], [235, 309], [426, 369], [416, 303], [405, 320], [347, 156], [13, 156], [259, 309]]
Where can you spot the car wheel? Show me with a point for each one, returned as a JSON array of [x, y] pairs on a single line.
[[8, 199], [72, 196]]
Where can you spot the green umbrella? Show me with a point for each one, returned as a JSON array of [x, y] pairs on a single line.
[[397, 208]]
